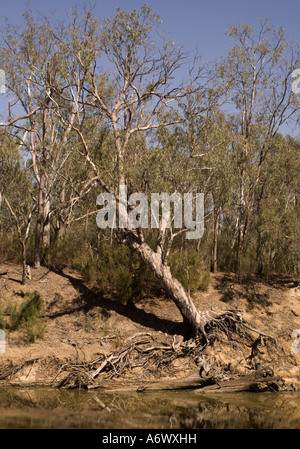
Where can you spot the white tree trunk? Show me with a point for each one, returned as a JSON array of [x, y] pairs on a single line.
[[46, 229], [194, 319]]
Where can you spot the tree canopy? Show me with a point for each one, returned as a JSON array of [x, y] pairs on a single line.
[[94, 104]]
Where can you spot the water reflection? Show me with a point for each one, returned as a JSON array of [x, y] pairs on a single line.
[[50, 408]]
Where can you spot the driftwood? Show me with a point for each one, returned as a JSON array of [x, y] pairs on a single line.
[[174, 384], [251, 382], [157, 385]]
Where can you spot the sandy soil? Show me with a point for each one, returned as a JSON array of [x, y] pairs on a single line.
[[81, 324]]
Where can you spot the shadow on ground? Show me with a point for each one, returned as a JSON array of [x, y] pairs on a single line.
[[254, 288], [89, 298]]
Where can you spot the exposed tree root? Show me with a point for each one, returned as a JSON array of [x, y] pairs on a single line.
[[154, 358], [228, 321], [139, 351]]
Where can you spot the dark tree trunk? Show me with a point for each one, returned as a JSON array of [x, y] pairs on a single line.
[[24, 263]]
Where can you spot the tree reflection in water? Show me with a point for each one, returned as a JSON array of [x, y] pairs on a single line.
[[51, 408]]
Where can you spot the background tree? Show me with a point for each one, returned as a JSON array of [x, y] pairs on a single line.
[[97, 105], [33, 58], [15, 188], [257, 73]]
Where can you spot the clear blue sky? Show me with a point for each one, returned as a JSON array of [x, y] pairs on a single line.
[[191, 23]]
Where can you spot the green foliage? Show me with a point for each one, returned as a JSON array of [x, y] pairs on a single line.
[[122, 272], [205, 281], [10, 247], [247, 171], [34, 328], [113, 268], [13, 312], [67, 251], [129, 29], [28, 317], [122, 280], [2, 318], [187, 266]]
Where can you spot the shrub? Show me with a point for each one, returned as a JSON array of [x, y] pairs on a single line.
[[28, 317], [121, 271], [34, 327], [2, 318], [13, 313], [205, 281], [186, 266]]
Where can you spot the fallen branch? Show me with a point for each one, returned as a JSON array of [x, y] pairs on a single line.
[[137, 354], [251, 382], [9, 369], [258, 332]]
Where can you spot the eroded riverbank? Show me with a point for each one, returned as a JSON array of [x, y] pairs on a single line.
[[91, 340]]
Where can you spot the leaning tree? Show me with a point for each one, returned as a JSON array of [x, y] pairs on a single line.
[[120, 76]]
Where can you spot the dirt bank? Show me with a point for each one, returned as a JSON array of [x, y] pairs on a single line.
[[94, 341]]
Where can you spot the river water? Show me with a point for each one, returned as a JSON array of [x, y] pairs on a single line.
[[42, 408]]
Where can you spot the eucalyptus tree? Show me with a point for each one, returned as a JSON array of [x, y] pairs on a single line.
[[32, 60], [278, 212], [257, 79], [142, 99], [221, 178], [17, 206]]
